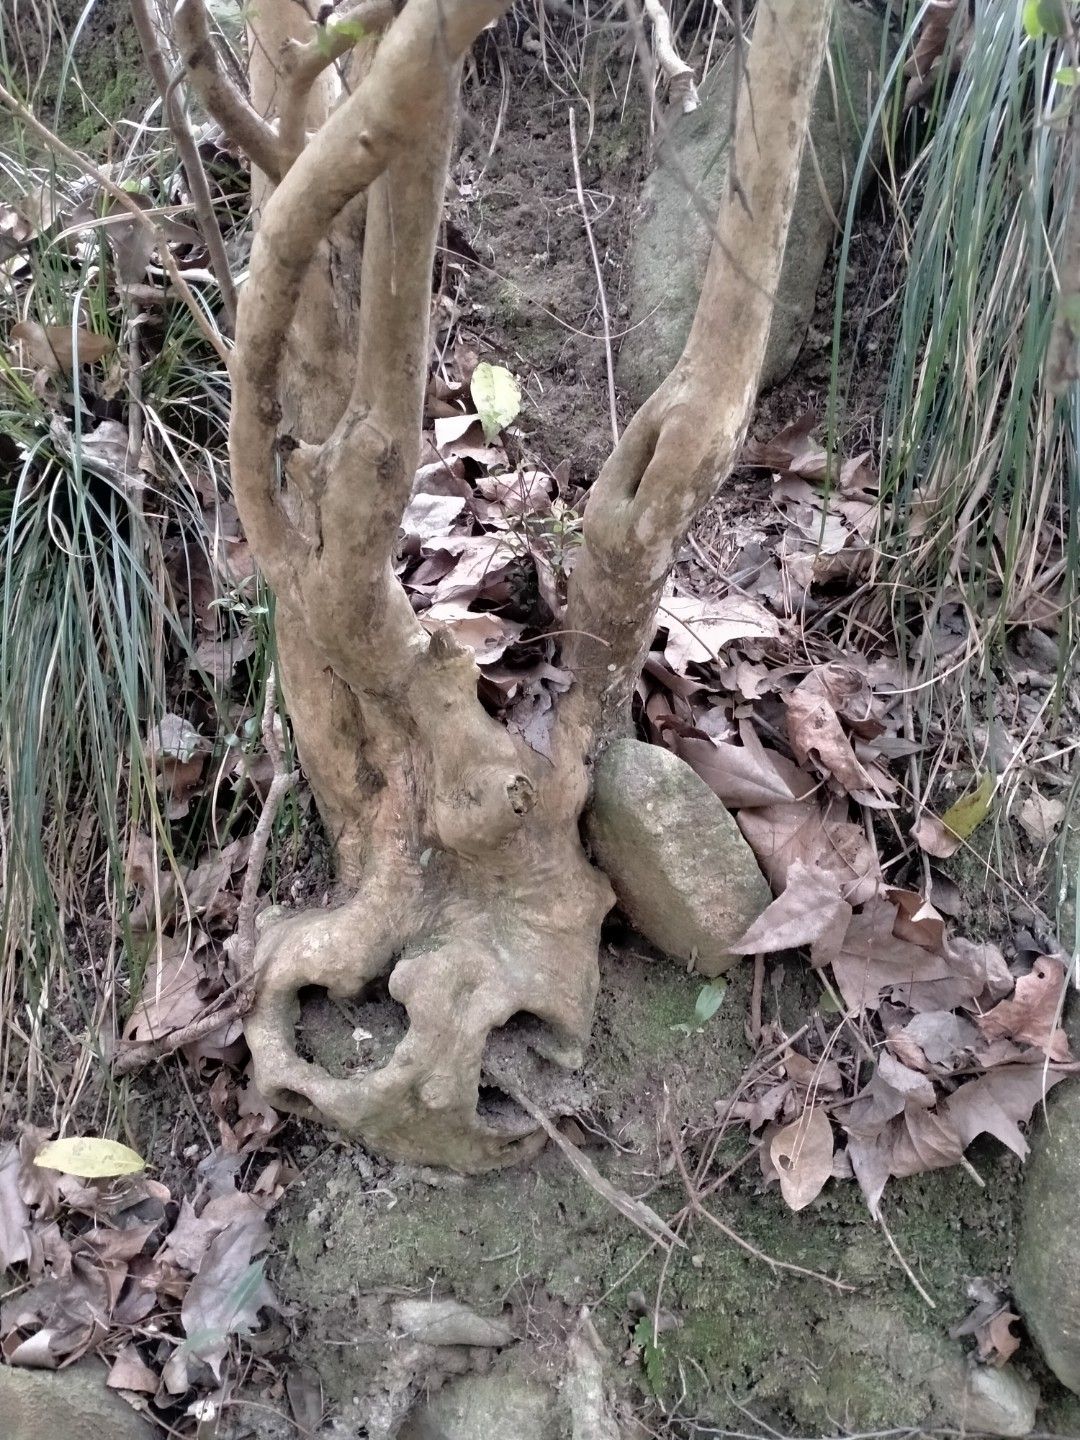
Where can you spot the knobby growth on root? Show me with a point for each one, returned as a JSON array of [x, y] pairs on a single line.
[[458, 846]]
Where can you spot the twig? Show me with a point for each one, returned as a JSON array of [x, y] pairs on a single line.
[[636, 1211], [304, 61], [608, 355], [679, 76], [242, 947], [124, 200], [232, 110], [755, 998], [903, 1263], [201, 199], [698, 1209]]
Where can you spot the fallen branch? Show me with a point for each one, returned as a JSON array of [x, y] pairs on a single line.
[[201, 199], [636, 1211]]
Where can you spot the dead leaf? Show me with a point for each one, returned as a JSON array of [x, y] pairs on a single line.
[[1040, 815], [802, 1154], [997, 1102], [169, 998], [742, 775], [485, 633], [938, 1039], [59, 348], [225, 1296], [816, 733], [699, 629], [821, 837], [14, 1211], [996, 1341], [130, 1372], [809, 911], [1031, 1014], [874, 963]]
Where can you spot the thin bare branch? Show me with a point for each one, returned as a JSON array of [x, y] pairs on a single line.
[[116, 192], [201, 199], [241, 123], [678, 74], [407, 95]]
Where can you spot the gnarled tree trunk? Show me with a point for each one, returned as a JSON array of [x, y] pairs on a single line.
[[459, 847]]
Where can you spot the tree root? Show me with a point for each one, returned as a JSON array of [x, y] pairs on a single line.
[[473, 962]]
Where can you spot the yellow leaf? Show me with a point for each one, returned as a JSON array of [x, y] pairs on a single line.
[[969, 813], [497, 397], [89, 1157]]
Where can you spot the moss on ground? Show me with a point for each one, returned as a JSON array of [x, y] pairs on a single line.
[[538, 1243]]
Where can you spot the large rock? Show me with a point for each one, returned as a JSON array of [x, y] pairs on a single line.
[[65, 1405], [1046, 1269], [683, 873], [673, 237]]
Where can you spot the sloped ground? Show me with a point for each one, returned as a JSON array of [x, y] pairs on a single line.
[[737, 1335]]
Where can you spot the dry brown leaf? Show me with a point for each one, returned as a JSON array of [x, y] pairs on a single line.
[[874, 963], [486, 634], [698, 630], [1031, 1014], [169, 997], [130, 1372], [224, 1299], [996, 1341], [58, 348], [789, 449], [809, 911], [821, 837], [938, 1039], [1041, 815], [816, 733], [997, 1102], [947, 23], [741, 775], [802, 1155], [14, 1211], [936, 839]]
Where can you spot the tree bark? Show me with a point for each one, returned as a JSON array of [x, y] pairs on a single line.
[[460, 855]]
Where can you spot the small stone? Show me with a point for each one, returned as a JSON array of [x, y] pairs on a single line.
[[982, 1400], [683, 873], [66, 1405]]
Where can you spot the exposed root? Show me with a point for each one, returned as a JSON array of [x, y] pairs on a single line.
[[488, 911]]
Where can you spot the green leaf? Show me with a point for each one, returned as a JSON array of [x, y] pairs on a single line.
[[497, 397], [1045, 17], [710, 998], [89, 1157], [967, 814], [650, 1354], [1067, 75]]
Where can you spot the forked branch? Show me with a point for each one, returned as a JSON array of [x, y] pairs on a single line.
[[224, 100], [399, 118]]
